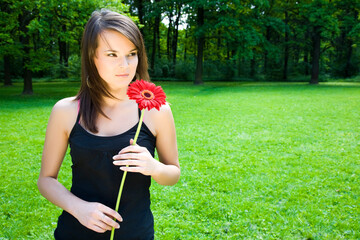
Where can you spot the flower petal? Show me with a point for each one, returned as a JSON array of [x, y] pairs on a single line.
[[134, 93]]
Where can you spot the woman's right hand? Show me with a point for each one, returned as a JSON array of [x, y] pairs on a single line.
[[97, 216]]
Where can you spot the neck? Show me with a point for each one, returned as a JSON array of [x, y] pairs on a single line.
[[120, 98]]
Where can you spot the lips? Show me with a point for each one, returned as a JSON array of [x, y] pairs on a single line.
[[122, 75]]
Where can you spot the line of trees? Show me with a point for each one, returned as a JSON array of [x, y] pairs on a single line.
[[202, 39]]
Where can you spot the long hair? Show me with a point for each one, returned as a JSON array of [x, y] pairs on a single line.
[[93, 88]]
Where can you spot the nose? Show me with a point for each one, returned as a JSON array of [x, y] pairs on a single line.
[[123, 62]]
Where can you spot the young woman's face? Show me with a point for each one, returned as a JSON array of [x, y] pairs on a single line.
[[116, 59]]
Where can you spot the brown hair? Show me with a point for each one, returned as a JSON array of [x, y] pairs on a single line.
[[93, 87]]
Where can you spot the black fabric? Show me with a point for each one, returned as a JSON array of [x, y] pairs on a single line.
[[96, 179]]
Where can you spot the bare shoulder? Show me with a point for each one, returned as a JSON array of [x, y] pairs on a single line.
[[66, 104], [164, 110], [159, 120], [157, 115], [64, 113]]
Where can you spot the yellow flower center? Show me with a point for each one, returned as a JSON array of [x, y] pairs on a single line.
[[148, 95]]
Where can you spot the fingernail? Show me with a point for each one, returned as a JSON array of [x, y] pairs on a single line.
[[118, 226]]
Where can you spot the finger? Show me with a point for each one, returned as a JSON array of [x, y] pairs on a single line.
[[102, 225], [131, 169], [132, 143], [127, 162], [97, 229], [132, 148], [107, 220], [111, 213], [127, 156]]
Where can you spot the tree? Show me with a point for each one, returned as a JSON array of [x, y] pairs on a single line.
[[8, 47], [345, 63], [200, 46], [27, 13], [32, 31], [223, 39], [156, 9], [178, 8], [319, 17]]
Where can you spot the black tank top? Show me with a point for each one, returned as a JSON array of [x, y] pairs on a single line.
[[96, 179]]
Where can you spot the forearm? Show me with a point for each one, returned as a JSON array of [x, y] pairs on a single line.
[[56, 193], [166, 174]]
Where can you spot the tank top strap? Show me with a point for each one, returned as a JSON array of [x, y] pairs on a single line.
[[139, 113]]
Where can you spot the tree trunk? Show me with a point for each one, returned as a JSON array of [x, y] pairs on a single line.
[[7, 73], [176, 32], [347, 72], [24, 20], [306, 61], [185, 45], [140, 7], [141, 11], [158, 36], [286, 50], [27, 74], [307, 51], [168, 42], [296, 55], [266, 51], [200, 47], [28, 90], [7, 57], [63, 54], [349, 43], [252, 66], [155, 42], [218, 44], [152, 61], [315, 56]]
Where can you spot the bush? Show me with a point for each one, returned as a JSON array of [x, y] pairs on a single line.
[[185, 71], [74, 69], [219, 70]]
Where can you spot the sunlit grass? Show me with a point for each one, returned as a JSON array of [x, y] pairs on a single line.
[[259, 161]]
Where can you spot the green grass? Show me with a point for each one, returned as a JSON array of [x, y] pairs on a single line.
[[259, 161]]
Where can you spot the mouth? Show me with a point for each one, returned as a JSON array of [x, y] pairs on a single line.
[[122, 75]]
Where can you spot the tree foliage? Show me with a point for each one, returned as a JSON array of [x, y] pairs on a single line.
[[190, 40]]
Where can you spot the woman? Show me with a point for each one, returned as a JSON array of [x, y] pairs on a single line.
[[99, 124]]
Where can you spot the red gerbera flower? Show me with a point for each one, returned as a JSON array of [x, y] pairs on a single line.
[[146, 94]]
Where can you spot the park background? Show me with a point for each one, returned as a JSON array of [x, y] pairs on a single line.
[[266, 100]]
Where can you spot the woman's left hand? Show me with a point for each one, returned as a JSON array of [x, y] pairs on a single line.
[[136, 159]]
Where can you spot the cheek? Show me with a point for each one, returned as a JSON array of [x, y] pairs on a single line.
[[134, 64], [103, 69]]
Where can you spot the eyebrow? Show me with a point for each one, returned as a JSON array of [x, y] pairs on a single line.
[[111, 50]]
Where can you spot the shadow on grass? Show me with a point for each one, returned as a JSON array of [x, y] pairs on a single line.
[[46, 93]]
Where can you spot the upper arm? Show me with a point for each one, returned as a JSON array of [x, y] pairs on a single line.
[[56, 139], [166, 144]]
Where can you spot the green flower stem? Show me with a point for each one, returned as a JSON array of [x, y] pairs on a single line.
[[125, 172]]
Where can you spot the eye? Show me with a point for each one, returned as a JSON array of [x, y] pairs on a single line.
[[133, 54], [111, 55]]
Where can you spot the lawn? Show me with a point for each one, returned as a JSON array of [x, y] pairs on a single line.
[[259, 161]]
